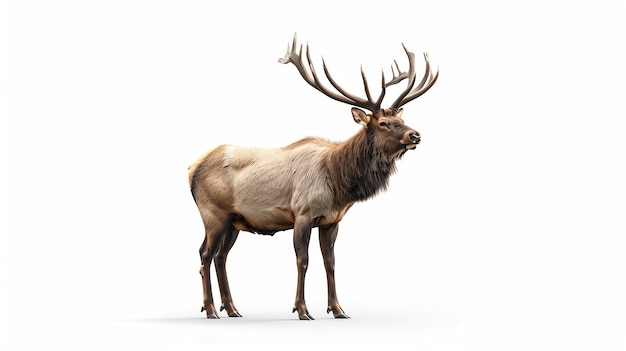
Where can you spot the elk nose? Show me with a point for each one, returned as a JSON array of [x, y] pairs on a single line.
[[415, 138]]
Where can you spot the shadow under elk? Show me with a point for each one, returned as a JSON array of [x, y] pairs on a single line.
[[310, 183]]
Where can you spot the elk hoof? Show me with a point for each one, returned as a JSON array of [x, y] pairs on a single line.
[[341, 315], [304, 316], [212, 316], [235, 314]]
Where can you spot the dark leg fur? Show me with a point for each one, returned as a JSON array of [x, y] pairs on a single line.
[[220, 268], [301, 237], [328, 235]]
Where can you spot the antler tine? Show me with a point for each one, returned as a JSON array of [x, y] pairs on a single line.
[[397, 78], [410, 75], [366, 86], [357, 101], [313, 80], [383, 90], [427, 73], [375, 105], [347, 98], [296, 59], [428, 80]]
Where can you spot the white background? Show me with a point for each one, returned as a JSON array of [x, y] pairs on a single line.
[[504, 230]]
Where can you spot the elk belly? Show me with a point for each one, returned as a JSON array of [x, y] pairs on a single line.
[[266, 222]]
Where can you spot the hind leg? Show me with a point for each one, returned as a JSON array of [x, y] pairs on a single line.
[[214, 234], [220, 268], [301, 237]]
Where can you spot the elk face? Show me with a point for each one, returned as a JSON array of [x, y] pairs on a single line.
[[389, 130]]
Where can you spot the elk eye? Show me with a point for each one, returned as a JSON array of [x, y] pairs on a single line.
[[384, 125]]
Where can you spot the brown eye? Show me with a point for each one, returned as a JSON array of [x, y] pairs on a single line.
[[384, 125]]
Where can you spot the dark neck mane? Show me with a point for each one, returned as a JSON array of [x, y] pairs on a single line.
[[359, 169]]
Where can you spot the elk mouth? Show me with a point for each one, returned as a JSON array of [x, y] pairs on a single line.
[[403, 149]]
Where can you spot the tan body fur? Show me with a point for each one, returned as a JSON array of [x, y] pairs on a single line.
[[265, 189]]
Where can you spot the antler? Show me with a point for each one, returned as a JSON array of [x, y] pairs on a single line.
[[296, 58], [407, 95], [426, 83]]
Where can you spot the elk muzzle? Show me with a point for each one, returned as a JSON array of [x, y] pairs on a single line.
[[411, 139], [415, 138]]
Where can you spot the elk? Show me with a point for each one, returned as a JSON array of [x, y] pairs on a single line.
[[308, 184]]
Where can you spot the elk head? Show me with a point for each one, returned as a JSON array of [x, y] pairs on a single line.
[[385, 125]]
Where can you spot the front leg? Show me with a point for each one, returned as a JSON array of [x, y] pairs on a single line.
[[220, 269], [328, 234], [301, 237]]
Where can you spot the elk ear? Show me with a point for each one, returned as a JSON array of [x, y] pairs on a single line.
[[360, 117]]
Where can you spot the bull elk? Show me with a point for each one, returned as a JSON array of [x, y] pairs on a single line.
[[310, 183]]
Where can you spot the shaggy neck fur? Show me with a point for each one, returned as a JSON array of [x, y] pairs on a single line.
[[359, 168]]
